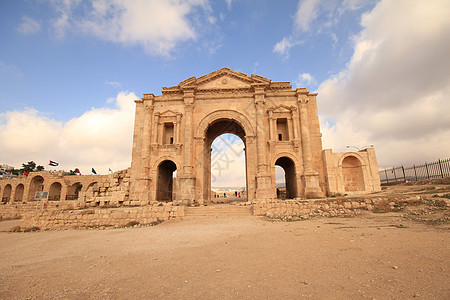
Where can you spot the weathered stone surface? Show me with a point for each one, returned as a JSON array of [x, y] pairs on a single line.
[[279, 126], [174, 132]]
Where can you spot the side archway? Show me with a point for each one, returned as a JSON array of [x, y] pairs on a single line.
[[165, 181], [18, 194], [54, 193], [73, 191], [6, 193], [288, 166], [352, 173], [36, 185]]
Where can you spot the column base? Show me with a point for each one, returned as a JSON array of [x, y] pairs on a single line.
[[186, 188], [311, 185], [263, 186]]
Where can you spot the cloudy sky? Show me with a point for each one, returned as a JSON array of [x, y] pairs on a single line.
[[70, 70]]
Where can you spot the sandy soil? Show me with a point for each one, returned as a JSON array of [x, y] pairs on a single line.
[[374, 256]]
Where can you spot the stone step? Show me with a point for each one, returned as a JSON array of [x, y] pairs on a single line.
[[217, 210]]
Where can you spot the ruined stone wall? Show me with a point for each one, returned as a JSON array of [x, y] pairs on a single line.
[[16, 210], [97, 191], [305, 209], [111, 217]]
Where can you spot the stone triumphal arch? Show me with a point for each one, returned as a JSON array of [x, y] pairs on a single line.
[[171, 159]]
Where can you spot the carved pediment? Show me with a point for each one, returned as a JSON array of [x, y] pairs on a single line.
[[168, 115], [224, 82], [281, 109], [224, 78]]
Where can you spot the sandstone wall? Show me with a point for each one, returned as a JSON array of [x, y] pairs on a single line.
[[114, 217], [305, 209], [16, 210]]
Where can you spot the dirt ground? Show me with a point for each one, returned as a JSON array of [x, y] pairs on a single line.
[[374, 256]]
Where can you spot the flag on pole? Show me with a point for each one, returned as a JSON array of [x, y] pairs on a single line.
[[111, 170], [26, 173], [93, 171], [77, 171], [53, 163]]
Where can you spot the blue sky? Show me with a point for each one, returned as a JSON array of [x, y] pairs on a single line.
[[69, 70]]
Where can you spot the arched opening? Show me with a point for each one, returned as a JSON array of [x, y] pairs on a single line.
[[6, 193], [73, 191], [353, 174], [36, 185], [18, 195], [166, 177], [92, 188], [290, 178], [219, 158], [280, 182], [228, 172], [54, 194]]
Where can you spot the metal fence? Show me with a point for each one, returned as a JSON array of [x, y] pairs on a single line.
[[436, 169]]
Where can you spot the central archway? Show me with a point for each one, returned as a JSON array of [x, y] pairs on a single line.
[[215, 129]]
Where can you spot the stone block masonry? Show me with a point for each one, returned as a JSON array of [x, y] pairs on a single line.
[[111, 217], [331, 207]]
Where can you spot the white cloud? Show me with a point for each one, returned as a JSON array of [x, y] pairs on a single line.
[[282, 47], [155, 25], [306, 13], [100, 138], [394, 91], [28, 26], [305, 79]]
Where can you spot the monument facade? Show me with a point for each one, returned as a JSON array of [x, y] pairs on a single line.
[[278, 125]]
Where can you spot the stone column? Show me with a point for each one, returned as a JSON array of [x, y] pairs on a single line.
[[263, 179], [296, 125], [306, 137], [310, 177], [274, 129], [271, 136], [188, 107], [160, 133], [187, 179], [148, 114], [289, 124], [177, 131], [250, 148], [155, 129]]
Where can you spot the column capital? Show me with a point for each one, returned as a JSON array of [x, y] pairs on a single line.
[[148, 109], [250, 139], [302, 96]]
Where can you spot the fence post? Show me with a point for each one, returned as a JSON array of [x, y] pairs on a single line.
[[426, 167], [404, 177], [415, 173], [395, 176], [387, 179], [440, 167]]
